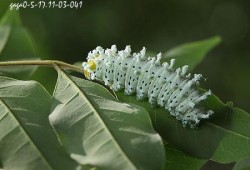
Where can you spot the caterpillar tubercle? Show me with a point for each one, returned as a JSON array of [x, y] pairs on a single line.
[[174, 89]]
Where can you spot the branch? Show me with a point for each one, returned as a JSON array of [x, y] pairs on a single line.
[[50, 63]]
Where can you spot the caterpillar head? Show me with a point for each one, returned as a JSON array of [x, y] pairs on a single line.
[[93, 65], [89, 67]]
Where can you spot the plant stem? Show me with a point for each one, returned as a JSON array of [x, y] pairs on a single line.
[[51, 63]]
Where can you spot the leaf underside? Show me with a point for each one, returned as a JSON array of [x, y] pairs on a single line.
[[97, 130], [27, 141]]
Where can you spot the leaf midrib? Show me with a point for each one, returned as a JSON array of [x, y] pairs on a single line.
[[98, 116]]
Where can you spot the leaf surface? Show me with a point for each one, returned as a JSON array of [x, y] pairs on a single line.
[[176, 159], [191, 54], [4, 36], [224, 137], [233, 131], [16, 44], [99, 131], [27, 140], [243, 164]]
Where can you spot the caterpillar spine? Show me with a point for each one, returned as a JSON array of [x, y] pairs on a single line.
[[174, 89]]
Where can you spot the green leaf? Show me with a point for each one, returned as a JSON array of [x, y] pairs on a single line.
[[97, 130], [27, 140], [224, 137], [234, 136], [191, 54], [4, 7], [242, 164], [16, 44], [176, 159], [4, 36], [199, 142]]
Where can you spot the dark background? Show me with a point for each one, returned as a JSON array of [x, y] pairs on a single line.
[[69, 34]]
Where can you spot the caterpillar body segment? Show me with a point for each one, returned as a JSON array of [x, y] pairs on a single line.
[[174, 89]]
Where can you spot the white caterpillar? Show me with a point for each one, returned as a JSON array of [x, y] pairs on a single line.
[[163, 85]]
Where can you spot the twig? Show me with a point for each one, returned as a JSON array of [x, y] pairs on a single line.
[[50, 63]]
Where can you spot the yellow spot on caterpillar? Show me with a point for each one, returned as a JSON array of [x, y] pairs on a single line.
[[92, 65], [86, 74]]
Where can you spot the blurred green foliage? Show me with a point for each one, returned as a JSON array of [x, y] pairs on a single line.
[[68, 35], [16, 44]]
